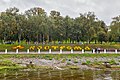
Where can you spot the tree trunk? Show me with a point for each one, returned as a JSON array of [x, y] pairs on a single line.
[[89, 41], [19, 38], [43, 39], [77, 37], [48, 38], [95, 41], [40, 37], [4, 40]]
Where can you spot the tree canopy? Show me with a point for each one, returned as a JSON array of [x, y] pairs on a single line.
[[37, 26]]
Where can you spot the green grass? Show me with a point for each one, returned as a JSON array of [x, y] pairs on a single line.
[[7, 64], [56, 56]]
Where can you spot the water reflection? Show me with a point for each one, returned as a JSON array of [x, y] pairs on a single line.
[[60, 75], [107, 75]]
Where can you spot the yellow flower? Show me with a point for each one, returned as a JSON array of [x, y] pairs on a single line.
[[32, 47], [87, 48], [77, 48], [14, 47], [39, 47], [46, 47], [68, 47], [54, 47], [62, 47], [18, 47]]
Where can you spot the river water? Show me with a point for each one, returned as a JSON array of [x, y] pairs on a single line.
[[43, 74]]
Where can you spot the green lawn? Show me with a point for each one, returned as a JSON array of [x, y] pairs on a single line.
[[50, 56]]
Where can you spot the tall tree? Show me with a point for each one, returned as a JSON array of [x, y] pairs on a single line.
[[37, 17], [114, 34]]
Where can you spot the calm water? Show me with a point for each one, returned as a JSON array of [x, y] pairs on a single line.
[[60, 75]]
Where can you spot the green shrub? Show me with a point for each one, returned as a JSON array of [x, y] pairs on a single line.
[[63, 61], [112, 62], [75, 61], [68, 63], [97, 63], [86, 63]]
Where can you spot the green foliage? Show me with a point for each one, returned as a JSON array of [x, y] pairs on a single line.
[[63, 61], [86, 63], [102, 36], [112, 62], [36, 26], [6, 63], [68, 63], [57, 56], [75, 61], [30, 66], [97, 63], [114, 30]]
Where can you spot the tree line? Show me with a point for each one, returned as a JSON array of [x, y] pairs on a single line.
[[37, 26]]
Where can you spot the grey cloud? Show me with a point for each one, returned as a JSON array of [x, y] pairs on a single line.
[[104, 9]]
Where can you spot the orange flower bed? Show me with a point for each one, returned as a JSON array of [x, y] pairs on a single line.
[[18, 47]]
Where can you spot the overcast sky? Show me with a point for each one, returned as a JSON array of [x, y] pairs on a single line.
[[104, 9]]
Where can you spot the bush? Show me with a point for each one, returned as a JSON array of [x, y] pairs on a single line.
[[86, 63], [112, 62]]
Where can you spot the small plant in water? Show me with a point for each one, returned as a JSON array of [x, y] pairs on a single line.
[[112, 62], [63, 60], [30, 65], [86, 63], [68, 63], [75, 61]]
